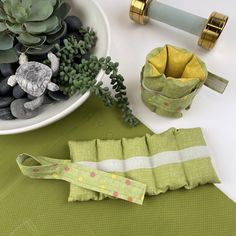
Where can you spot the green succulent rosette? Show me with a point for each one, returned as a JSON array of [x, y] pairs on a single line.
[[35, 24]]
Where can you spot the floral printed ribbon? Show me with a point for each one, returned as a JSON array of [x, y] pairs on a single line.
[[82, 176]]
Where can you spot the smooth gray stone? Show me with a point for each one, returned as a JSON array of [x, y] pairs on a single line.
[[19, 48], [5, 114], [30, 97], [47, 100], [73, 24], [18, 92], [57, 96], [7, 69], [18, 110], [5, 101], [5, 89]]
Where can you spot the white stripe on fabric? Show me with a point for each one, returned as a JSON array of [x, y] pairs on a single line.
[[142, 162]]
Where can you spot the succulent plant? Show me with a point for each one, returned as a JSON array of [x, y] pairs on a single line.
[[80, 76], [35, 24]]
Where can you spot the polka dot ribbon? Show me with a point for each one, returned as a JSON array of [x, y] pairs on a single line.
[[85, 177]]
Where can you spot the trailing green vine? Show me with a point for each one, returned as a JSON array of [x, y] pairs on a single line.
[[78, 72]]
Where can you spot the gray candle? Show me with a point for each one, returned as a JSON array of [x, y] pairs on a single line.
[[208, 30]]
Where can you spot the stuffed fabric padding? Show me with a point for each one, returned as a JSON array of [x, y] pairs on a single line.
[[188, 174]]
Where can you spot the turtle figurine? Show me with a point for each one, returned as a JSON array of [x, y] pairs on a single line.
[[35, 78]]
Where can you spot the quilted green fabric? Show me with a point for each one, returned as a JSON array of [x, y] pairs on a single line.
[[168, 161], [40, 208]]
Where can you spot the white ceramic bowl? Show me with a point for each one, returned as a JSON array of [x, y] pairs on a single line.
[[92, 15]]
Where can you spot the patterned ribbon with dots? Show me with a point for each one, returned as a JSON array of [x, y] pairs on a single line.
[[82, 176]]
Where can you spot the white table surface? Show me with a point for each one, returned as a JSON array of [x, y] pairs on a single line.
[[214, 113]]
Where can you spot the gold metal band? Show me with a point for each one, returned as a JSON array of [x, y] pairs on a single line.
[[138, 11], [212, 30]]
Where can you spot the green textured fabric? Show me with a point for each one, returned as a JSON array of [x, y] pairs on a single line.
[[171, 78], [216, 82], [85, 177], [167, 161], [38, 207]]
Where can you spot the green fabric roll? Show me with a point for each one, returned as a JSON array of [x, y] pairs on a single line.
[[167, 161], [171, 78], [38, 207]]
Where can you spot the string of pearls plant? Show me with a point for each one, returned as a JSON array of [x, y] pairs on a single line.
[[78, 71]]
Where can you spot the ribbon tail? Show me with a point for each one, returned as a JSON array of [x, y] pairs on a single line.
[[82, 176], [216, 83]]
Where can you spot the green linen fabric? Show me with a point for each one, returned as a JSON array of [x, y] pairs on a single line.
[[85, 177], [40, 208], [169, 161], [171, 78]]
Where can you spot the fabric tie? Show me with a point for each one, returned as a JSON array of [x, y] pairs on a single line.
[[82, 176]]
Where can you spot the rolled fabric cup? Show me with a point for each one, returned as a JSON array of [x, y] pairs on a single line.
[[170, 80], [208, 30]]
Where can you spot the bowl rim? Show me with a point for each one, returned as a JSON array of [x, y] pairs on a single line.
[[76, 104]]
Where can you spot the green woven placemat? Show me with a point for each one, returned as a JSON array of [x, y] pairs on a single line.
[[37, 207]]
